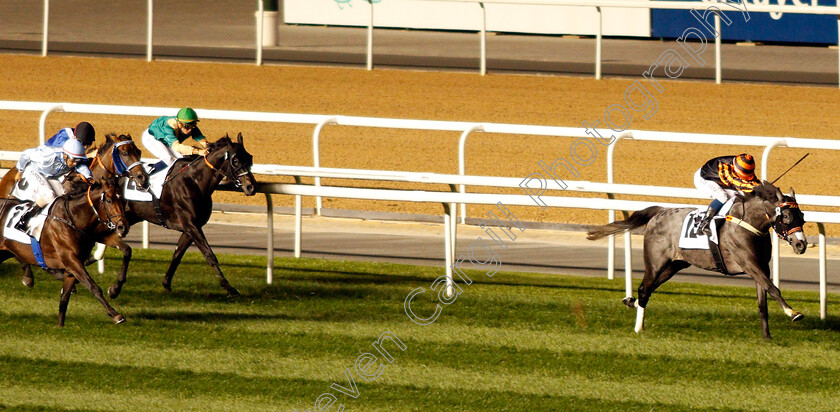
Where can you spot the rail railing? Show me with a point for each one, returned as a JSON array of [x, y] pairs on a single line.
[[466, 128]]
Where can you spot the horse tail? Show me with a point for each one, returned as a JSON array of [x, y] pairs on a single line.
[[637, 219]]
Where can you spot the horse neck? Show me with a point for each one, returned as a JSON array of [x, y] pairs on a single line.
[[207, 178], [80, 212], [751, 210], [105, 163]]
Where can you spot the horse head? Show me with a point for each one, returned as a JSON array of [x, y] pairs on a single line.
[[237, 162], [120, 156], [111, 206], [784, 214]]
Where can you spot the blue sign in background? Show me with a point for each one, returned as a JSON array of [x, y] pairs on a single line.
[[793, 28]]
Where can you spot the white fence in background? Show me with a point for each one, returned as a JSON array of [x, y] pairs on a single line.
[[450, 199], [596, 4]]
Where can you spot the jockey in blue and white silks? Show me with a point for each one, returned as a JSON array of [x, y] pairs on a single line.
[[39, 170], [83, 132]]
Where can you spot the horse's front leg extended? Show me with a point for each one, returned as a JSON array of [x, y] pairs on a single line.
[[183, 243], [201, 242], [118, 243], [77, 269], [761, 276]]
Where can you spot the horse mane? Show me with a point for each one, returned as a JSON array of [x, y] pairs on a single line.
[[81, 189], [109, 141], [222, 142], [766, 191]]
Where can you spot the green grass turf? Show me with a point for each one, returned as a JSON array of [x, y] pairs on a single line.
[[512, 342]]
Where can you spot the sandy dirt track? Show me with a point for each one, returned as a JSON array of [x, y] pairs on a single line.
[[684, 106]]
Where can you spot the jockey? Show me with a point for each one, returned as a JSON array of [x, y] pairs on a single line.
[[42, 166], [722, 178], [83, 132], [165, 136]]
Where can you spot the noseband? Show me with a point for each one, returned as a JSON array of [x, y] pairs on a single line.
[[109, 223]]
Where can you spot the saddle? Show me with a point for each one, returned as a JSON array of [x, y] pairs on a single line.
[[36, 223], [690, 238]]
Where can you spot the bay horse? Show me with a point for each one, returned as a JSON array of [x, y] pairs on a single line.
[[186, 203], [744, 244], [67, 238], [119, 156]]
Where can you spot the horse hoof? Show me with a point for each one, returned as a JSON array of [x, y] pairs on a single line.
[[629, 301], [28, 282], [113, 293], [232, 292], [119, 319], [795, 316], [166, 287]]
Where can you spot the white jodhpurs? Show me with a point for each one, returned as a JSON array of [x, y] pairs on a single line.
[[159, 149], [712, 189], [34, 186]]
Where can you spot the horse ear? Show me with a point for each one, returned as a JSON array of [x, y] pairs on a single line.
[[792, 193], [109, 137], [239, 138]]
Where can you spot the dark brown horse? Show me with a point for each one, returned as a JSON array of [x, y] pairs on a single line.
[[186, 203], [67, 238], [744, 243]]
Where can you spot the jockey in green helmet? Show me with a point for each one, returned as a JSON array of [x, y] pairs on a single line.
[[166, 135]]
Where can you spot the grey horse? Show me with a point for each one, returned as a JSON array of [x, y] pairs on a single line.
[[744, 243]]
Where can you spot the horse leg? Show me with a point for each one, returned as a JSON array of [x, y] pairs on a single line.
[[761, 275], [762, 310], [117, 243], [183, 243], [201, 242], [652, 281], [67, 285], [78, 270], [27, 278]]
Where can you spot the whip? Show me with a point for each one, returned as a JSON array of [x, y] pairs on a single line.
[[794, 165]]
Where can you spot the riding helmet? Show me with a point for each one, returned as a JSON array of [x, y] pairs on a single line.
[[85, 133], [187, 115], [744, 166], [74, 149]]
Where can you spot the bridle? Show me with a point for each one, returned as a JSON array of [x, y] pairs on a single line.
[[120, 168], [109, 222], [237, 173], [779, 225]]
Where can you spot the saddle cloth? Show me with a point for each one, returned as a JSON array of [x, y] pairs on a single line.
[[35, 224], [157, 175], [690, 238]]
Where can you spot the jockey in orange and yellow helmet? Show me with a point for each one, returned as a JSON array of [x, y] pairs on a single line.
[[722, 178]]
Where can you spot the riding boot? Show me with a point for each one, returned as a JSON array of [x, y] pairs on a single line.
[[23, 223], [705, 224]]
